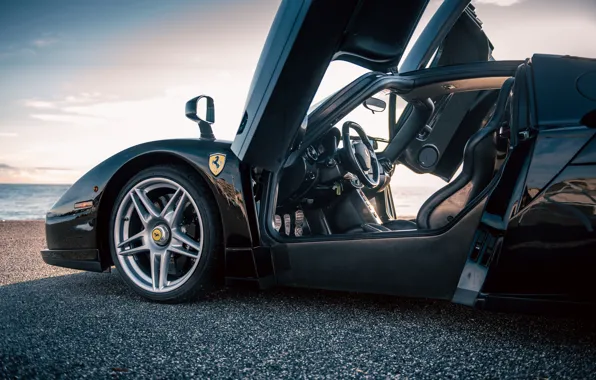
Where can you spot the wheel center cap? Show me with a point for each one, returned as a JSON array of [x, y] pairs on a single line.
[[160, 235]]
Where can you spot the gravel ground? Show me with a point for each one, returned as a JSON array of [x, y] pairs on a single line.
[[69, 324]]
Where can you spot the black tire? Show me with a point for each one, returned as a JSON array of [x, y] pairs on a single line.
[[208, 275]]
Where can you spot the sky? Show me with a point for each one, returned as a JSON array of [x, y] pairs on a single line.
[[83, 80]]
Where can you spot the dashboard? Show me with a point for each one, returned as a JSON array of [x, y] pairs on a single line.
[[317, 175], [325, 148], [318, 167]]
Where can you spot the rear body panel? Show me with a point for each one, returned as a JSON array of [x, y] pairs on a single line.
[[549, 246]]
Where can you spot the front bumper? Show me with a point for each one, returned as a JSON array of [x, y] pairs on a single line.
[[83, 259]]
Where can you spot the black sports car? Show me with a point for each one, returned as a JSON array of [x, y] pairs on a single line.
[[302, 198]]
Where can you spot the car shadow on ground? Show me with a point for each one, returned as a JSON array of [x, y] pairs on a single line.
[[109, 288], [92, 324]]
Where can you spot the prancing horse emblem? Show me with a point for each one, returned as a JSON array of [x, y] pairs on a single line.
[[216, 163]]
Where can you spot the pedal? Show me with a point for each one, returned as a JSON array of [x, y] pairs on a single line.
[[277, 222], [287, 224], [299, 223]]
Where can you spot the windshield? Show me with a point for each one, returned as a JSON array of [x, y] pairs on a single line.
[[338, 75]]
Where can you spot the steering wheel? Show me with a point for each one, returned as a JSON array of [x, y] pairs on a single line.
[[360, 156]]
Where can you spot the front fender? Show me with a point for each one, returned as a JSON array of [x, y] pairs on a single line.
[[68, 228]]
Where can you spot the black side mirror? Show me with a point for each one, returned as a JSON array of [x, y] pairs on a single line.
[[374, 105], [202, 111]]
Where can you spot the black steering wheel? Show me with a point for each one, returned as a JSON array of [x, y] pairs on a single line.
[[360, 156]]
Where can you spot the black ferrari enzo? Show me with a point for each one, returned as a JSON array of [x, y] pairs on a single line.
[[302, 198]]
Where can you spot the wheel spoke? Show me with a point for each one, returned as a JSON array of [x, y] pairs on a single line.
[[175, 216], [180, 250], [154, 261], [134, 251], [160, 264], [139, 208], [143, 205], [170, 211], [132, 239], [184, 238]]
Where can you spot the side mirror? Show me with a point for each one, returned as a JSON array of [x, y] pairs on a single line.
[[374, 105], [202, 111]]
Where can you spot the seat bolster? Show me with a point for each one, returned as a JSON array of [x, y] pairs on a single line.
[[423, 218]]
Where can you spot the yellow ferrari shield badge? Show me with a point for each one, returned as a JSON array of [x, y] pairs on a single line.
[[216, 163], [156, 234]]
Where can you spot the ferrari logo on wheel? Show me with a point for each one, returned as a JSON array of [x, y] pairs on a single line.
[[216, 163], [156, 234]]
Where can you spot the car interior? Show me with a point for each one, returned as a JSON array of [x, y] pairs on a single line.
[[339, 182]]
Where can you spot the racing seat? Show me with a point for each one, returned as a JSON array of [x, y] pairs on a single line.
[[478, 170]]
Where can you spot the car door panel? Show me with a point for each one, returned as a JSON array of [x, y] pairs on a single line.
[[419, 265], [285, 82], [433, 34], [305, 37]]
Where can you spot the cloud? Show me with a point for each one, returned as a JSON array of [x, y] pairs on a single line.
[[67, 118], [43, 42], [49, 168], [145, 119], [501, 3], [85, 97], [66, 108], [39, 104], [82, 98], [8, 134], [46, 39]]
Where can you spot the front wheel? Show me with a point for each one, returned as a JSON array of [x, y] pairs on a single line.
[[165, 235]]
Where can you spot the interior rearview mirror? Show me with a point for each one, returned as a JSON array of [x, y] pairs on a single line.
[[374, 104], [202, 110]]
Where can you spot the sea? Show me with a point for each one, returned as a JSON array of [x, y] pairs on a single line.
[[32, 202], [28, 202]]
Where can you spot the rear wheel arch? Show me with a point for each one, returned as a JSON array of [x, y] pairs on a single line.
[[119, 180]]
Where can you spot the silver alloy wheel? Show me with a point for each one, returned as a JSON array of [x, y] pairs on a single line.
[[150, 235]]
